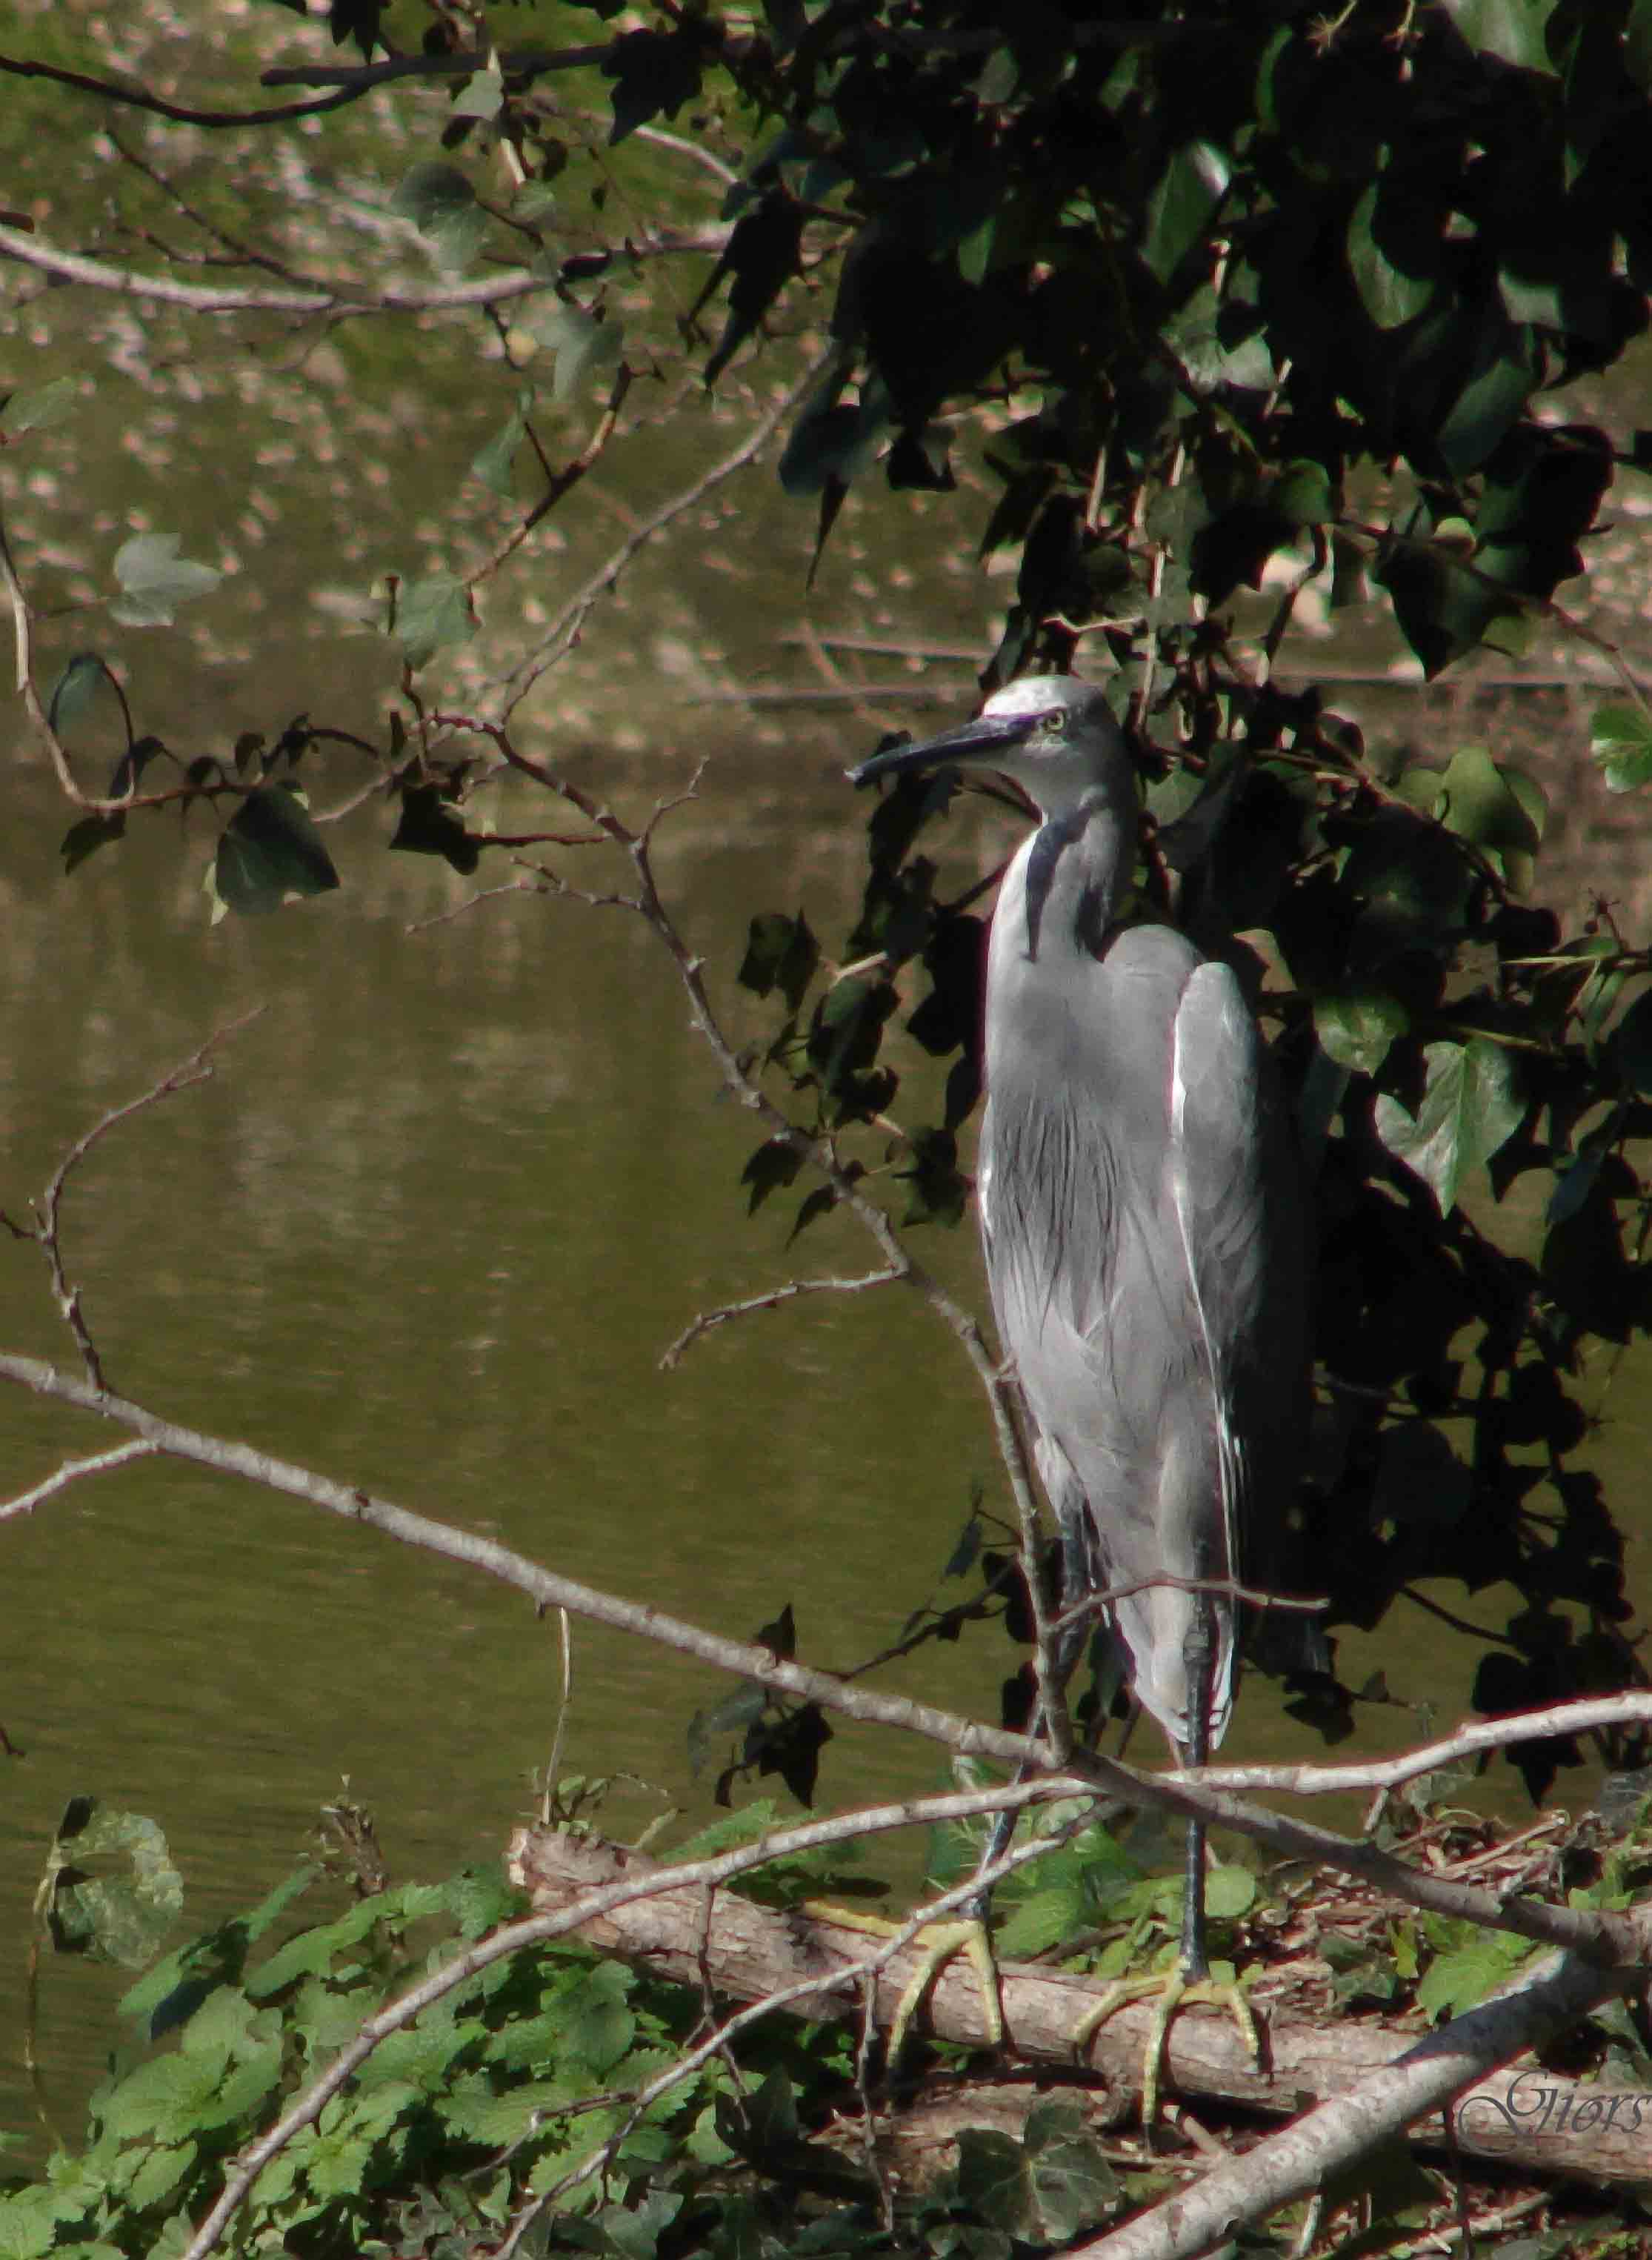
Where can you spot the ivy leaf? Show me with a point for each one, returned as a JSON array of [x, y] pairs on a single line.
[[1514, 31], [1620, 741], [86, 837], [429, 827], [585, 348], [119, 1918], [82, 677], [781, 953], [1470, 1106], [654, 73], [492, 463], [441, 205], [433, 613], [268, 852], [1356, 1031], [154, 581], [761, 258], [37, 407], [1393, 257], [1182, 204]]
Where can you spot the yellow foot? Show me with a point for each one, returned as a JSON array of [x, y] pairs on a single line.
[[1178, 1989], [938, 1944]]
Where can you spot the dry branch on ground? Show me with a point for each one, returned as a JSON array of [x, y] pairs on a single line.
[[745, 1951]]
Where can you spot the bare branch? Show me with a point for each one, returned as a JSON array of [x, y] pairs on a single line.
[[71, 1472], [514, 62], [335, 298], [709, 1320], [1586, 1717], [136, 97]]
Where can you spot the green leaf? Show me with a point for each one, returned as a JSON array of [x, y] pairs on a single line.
[[1470, 1105], [441, 205], [1632, 1046], [1512, 30], [1355, 1031], [121, 1919], [654, 73], [1462, 1978], [428, 826], [1393, 257], [992, 2179], [37, 407], [1072, 2185], [1620, 741], [1444, 608], [598, 2025], [781, 953], [1182, 204], [269, 852], [585, 348], [82, 677], [86, 837], [492, 463], [431, 614], [154, 581], [762, 257], [1479, 802]]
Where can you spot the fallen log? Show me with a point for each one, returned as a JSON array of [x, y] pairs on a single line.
[[1523, 2117]]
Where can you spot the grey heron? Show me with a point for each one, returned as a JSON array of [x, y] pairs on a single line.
[[1142, 1215]]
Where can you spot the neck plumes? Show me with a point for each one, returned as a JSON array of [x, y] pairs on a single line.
[[1074, 871]]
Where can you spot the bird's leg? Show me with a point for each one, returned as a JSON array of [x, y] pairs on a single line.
[[968, 1933], [1191, 1981]]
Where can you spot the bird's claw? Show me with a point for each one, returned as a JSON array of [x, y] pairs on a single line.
[[938, 1943], [1178, 1991]]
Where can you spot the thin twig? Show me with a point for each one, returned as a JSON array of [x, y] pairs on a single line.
[[48, 1228], [71, 1472], [770, 1301], [564, 630]]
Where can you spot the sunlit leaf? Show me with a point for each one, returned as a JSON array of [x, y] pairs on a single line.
[[154, 581], [1470, 1105], [1620, 741], [37, 407], [1356, 1031]]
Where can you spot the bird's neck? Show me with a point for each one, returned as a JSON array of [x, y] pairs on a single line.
[[1074, 872]]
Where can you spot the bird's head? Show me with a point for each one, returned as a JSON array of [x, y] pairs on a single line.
[[1055, 735]]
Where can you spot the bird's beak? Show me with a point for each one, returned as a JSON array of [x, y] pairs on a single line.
[[972, 745]]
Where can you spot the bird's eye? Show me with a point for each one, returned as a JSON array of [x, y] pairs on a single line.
[[1051, 724]]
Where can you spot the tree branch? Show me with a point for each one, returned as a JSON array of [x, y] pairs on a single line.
[[708, 1321], [1608, 1938], [1299, 2157], [334, 300]]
